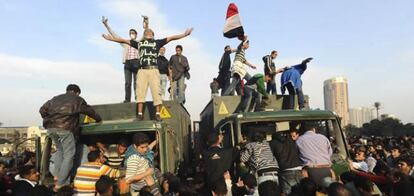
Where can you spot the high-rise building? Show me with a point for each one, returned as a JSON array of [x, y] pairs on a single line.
[[361, 115], [335, 92]]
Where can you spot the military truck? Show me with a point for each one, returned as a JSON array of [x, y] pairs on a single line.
[[219, 116], [119, 121]]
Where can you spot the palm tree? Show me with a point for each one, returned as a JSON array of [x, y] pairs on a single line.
[[377, 106]]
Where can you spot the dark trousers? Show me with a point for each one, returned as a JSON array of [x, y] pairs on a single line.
[[295, 91], [288, 179], [224, 79], [130, 73], [250, 98], [235, 80], [317, 175], [271, 87]]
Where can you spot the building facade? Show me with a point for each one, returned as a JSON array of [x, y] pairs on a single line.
[[23, 136], [335, 92], [359, 116]]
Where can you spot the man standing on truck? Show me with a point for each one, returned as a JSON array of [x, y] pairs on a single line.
[[148, 74], [270, 69], [162, 63], [224, 69], [315, 151], [61, 119], [130, 59], [254, 89], [291, 80], [238, 70], [179, 68]]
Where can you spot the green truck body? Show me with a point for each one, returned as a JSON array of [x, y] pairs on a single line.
[[119, 121], [219, 115]]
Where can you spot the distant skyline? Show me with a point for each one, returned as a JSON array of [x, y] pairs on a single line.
[[48, 44]]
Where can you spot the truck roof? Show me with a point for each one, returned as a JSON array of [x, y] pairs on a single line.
[[286, 114], [119, 126]]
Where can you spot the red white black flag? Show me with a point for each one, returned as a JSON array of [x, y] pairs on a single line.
[[233, 27]]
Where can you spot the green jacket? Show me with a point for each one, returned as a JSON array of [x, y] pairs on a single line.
[[258, 80]]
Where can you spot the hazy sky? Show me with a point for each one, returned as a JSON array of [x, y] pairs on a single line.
[[45, 45]]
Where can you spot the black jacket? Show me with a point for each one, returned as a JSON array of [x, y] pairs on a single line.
[[285, 151], [22, 188], [63, 112], [163, 64], [217, 161]]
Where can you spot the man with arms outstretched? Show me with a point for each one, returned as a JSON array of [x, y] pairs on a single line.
[[148, 74]]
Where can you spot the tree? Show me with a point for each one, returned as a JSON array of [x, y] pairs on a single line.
[[352, 130], [377, 106]]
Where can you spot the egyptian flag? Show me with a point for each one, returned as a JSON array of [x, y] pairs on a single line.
[[233, 27]]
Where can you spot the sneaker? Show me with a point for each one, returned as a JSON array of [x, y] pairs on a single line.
[[307, 60], [157, 117], [140, 117]]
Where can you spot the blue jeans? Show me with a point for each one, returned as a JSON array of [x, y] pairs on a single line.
[[295, 91], [178, 90], [65, 153], [250, 97], [288, 179], [130, 74], [164, 81], [271, 87], [235, 80]]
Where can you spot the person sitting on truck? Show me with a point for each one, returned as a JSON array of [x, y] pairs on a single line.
[[291, 80], [61, 119], [315, 152], [259, 157], [214, 87], [139, 161], [238, 69], [115, 155], [254, 89], [88, 173], [148, 74]]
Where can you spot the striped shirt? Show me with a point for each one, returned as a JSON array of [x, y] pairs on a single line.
[[112, 157], [259, 156], [136, 165], [240, 54], [87, 175]]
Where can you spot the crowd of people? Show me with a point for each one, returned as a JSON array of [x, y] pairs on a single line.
[[291, 163], [296, 162]]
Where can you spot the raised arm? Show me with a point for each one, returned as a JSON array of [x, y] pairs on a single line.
[[105, 22], [145, 22], [116, 39], [155, 142], [179, 36]]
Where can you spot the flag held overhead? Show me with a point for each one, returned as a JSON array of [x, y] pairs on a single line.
[[232, 26]]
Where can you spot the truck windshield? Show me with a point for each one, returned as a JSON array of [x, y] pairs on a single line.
[[328, 127]]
